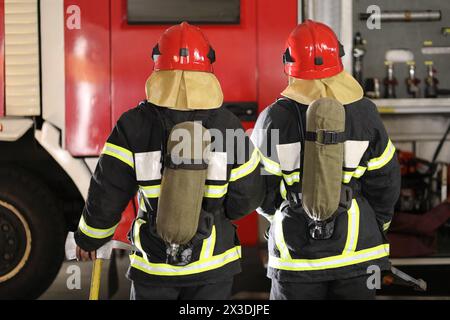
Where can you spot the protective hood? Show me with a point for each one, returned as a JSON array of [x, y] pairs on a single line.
[[184, 90], [342, 87]]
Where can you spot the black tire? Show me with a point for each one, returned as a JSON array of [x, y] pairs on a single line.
[[34, 241]]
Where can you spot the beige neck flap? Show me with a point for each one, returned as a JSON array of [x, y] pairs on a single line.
[[184, 90], [342, 87]]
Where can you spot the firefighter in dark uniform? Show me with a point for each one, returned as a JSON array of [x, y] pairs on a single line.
[[181, 88], [300, 265]]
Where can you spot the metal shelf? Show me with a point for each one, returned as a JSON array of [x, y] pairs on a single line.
[[425, 261], [413, 106]]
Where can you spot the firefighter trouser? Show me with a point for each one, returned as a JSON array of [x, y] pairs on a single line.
[[344, 289], [214, 291]]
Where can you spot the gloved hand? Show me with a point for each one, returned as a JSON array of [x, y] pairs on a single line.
[[85, 255]]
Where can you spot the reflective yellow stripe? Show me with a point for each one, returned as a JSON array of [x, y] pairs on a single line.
[[283, 190], [386, 156], [120, 153], [270, 165], [208, 245], [352, 229], [357, 173], [277, 224], [347, 176], [246, 168], [202, 265], [386, 225], [94, 232], [151, 192], [330, 262], [212, 191], [292, 178]]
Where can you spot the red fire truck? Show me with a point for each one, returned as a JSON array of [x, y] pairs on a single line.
[[68, 70]]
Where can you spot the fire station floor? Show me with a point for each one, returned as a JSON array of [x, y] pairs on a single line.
[[65, 286], [251, 284]]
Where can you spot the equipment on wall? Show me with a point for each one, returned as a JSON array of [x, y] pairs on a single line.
[[404, 16], [372, 88], [412, 82], [399, 55], [431, 82], [428, 50], [359, 50], [390, 82], [420, 190], [393, 56]]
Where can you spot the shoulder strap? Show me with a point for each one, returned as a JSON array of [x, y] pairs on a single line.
[[165, 127], [294, 108], [167, 124], [204, 116]]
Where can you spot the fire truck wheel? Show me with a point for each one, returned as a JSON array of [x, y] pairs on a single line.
[[32, 236]]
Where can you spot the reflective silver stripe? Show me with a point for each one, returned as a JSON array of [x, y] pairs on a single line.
[[151, 191], [329, 262], [386, 225], [137, 237], [202, 265], [246, 168], [212, 191], [94, 232], [353, 152], [289, 156], [120, 153], [352, 228], [208, 245], [292, 178], [217, 166], [283, 190], [347, 176], [148, 165], [270, 165], [269, 217], [386, 156], [357, 173], [279, 236], [141, 201]]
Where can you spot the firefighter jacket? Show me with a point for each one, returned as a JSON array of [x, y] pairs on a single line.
[[131, 163], [370, 168]]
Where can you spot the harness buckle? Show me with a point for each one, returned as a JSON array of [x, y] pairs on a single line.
[[324, 137]]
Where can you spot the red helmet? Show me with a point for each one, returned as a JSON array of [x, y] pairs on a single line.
[[313, 52], [183, 47]]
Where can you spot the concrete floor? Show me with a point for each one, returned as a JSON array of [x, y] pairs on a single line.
[[59, 289], [250, 284]]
